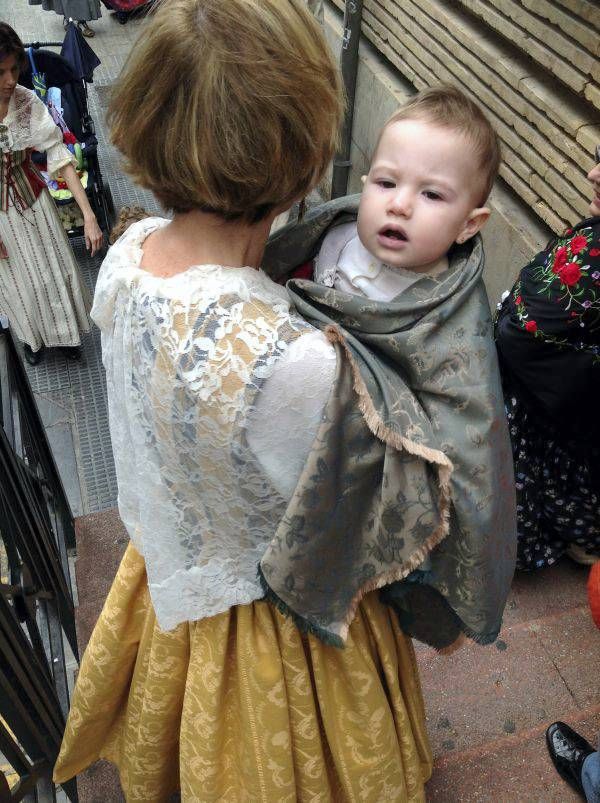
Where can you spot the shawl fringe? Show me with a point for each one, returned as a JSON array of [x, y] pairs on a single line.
[[303, 625], [398, 442]]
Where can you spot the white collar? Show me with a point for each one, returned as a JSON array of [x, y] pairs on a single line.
[[344, 263]]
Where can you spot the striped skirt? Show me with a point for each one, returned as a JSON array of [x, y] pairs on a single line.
[[41, 289]]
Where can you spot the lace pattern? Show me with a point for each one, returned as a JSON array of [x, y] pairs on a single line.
[[28, 125], [186, 361]]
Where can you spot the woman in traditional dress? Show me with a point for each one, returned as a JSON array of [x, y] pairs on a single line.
[[229, 112], [80, 10], [41, 289], [548, 338]]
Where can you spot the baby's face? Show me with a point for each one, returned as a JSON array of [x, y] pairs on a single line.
[[419, 194]]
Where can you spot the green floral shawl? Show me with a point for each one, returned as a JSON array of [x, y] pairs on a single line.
[[410, 475]]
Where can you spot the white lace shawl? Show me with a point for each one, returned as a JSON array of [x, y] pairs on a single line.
[[215, 392], [28, 124]]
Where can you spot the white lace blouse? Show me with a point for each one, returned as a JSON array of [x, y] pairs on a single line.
[[215, 392]]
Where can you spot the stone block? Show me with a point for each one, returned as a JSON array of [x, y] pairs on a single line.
[[588, 137], [587, 10], [575, 28], [549, 217], [569, 213], [512, 235], [551, 61], [481, 697], [575, 174], [573, 641], [444, 52], [549, 36], [548, 97], [533, 594], [513, 771], [592, 93], [518, 182], [100, 784]]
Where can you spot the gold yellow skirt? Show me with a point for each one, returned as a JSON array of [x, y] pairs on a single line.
[[243, 707]]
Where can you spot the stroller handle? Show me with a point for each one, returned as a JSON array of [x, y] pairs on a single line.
[[37, 45]]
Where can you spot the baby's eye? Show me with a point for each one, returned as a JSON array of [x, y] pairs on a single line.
[[385, 183], [433, 195]]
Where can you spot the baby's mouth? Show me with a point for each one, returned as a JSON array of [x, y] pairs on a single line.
[[393, 234]]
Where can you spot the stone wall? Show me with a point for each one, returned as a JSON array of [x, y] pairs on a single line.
[[532, 64]]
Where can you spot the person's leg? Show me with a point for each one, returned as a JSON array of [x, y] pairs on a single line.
[[590, 778], [85, 28]]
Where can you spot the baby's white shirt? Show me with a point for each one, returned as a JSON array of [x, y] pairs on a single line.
[[344, 263]]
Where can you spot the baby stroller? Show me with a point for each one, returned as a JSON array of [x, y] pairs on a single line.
[[59, 73]]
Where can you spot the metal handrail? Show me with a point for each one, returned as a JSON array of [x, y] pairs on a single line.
[[36, 603]]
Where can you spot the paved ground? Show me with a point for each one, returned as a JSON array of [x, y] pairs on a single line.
[[487, 707]]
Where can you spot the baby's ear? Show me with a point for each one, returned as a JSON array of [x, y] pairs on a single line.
[[475, 221], [363, 179]]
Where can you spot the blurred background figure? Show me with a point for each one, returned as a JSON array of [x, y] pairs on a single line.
[[41, 289], [82, 11]]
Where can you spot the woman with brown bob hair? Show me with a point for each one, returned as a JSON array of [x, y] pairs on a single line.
[[41, 289], [192, 681]]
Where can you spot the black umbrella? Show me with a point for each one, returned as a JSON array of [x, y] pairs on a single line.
[[79, 54]]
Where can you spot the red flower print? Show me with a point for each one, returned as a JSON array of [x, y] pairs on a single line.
[[595, 252], [531, 326], [570, 274], [560, 258], [518, 300], [568, 231], [578, 243]]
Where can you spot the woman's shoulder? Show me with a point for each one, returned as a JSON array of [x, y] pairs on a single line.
[[22, 102], [244, 292], [556, 298]]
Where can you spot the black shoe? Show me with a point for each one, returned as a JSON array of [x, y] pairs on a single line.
[[32, 357], [568, 750], [72, 352]]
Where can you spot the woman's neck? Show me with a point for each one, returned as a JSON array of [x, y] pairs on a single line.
[[201, 238]]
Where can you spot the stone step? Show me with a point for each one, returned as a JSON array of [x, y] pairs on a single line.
[[511, 771], [488, 707]]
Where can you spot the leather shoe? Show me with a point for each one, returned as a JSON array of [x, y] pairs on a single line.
[[32, 357], [568, 750], [72, 352]]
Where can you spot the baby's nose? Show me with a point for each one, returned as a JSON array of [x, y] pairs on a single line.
[[401, 203]]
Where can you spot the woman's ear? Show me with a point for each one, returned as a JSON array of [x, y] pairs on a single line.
[[475, 221]]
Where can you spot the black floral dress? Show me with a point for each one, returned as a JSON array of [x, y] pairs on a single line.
[[548, 339]]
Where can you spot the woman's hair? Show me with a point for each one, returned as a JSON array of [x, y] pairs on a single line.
[[447, 106], [228, 106], [11, 45], [127, 216]]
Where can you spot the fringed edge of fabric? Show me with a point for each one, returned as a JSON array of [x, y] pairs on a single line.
[[303, 625], [483, 639], [399, 442]]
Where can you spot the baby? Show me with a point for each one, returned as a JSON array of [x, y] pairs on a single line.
[[422, 203], [432, 171]]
